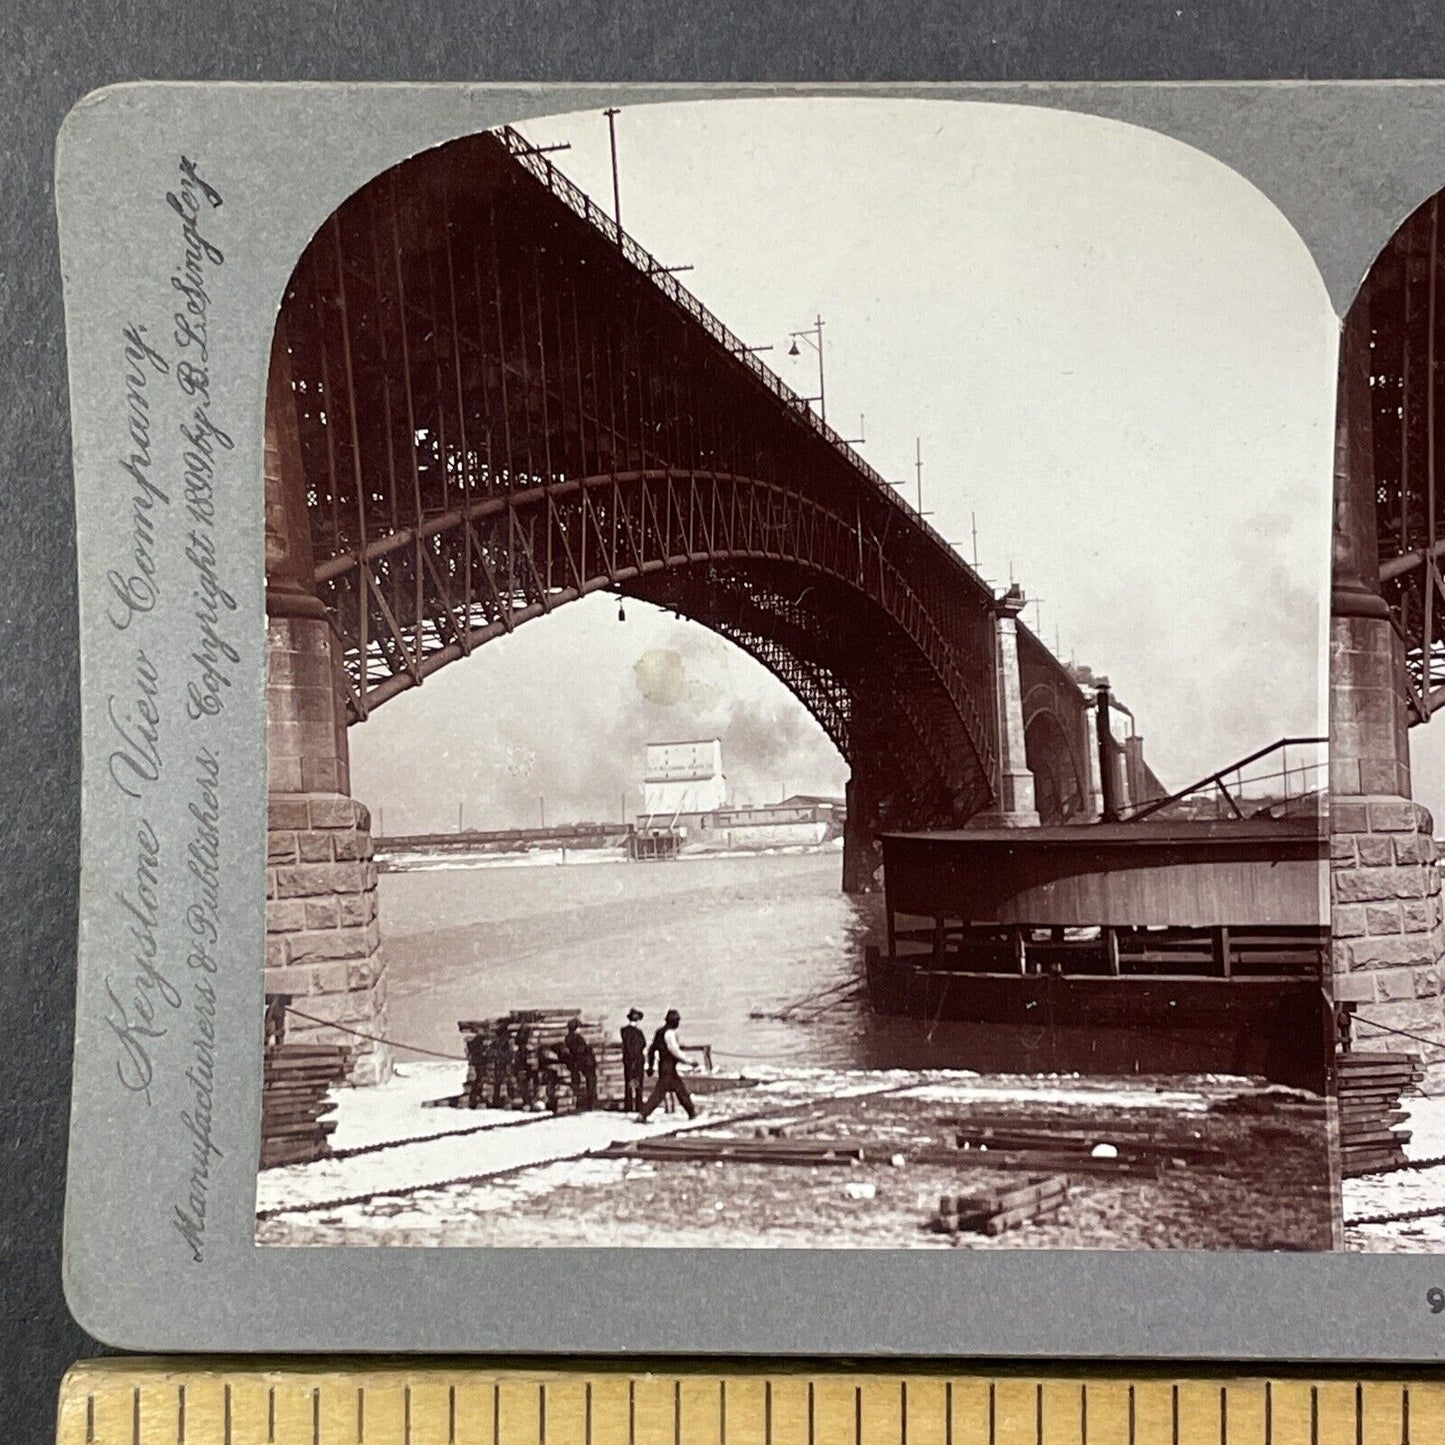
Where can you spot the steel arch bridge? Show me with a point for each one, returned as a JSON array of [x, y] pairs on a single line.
[[499, 403], [1403, 303]]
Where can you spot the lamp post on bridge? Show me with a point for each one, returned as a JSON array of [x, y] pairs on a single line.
[[813, 335]]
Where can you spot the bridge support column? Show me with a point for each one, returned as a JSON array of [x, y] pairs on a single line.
[[862, 852], [1089, 751], [1014, 799], [1385, 890], [322, 934]]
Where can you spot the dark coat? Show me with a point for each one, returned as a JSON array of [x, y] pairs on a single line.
[[634, 1048], [579, 1051]]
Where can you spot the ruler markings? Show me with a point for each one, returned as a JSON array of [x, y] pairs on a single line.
[[123, 1403]]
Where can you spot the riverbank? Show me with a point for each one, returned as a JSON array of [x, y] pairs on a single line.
[[1241, 1167], [1403, 1190]]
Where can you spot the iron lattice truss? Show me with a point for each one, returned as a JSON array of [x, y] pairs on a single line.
[[1405, 294], [504, 404]]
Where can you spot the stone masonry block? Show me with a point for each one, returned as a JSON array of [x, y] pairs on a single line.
[[283, 774], [332, 812], [285, 915], [323, 912], [1340, 960], [299, 980], [1393, 815], [1348, 815], [366, 973], [286, 814], [1400, 951], [354, 909], [1394, 983], [280, 847], [315, 847], [1348, 920], [1427, 984], [1410, 848], [310, 880], [1361, 885], [1342, 851], [277, 954], [1373, 852], [1415, 916], [332, 978], [1380, 918], [330, 943]]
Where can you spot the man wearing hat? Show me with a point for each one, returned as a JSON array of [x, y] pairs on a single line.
[[669, 1054], [634, 1053]]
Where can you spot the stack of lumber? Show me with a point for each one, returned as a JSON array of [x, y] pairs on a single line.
[[549, 1029], [1074, 1146], [295, 1093], [1368, 1088], [703, 1149], [993, 1211]]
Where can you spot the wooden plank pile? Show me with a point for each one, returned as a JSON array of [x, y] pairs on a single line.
[[295, 1093], [1077, 1144], [1367, 1091], [993, 1211], [549, 1030], [712, 1149]]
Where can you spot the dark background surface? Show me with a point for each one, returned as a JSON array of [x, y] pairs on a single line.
[[52, 54]]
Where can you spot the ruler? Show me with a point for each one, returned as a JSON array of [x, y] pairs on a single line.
[[183, 1402]]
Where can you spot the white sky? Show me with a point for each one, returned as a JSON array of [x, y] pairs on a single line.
[[1116, 353]]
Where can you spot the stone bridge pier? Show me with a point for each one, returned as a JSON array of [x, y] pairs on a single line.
[[872, 807], [1386, 914], [322, 933]]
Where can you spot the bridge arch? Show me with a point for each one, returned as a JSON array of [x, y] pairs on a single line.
[[485, 402]]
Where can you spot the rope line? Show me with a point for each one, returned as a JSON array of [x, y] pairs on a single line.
[[375, 1038], [462, 1059], [1405, 1034]]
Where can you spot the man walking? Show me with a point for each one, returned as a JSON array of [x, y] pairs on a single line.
[[582, 1063], [669, 1054], [634, 1055]]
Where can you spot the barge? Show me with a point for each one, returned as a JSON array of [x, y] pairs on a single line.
[[1156, 946]]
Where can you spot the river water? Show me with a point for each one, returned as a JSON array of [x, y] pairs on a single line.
[[721, 939]]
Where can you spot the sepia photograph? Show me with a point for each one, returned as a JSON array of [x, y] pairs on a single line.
[[1387, 764], [797, 700]]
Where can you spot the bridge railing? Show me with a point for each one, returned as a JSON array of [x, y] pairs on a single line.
[[1288, 778], [526, 154]]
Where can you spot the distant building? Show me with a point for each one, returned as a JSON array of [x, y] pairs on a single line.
[[684, 781], [687, 802]]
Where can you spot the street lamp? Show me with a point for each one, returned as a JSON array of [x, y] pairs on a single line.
[[813, 335]]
